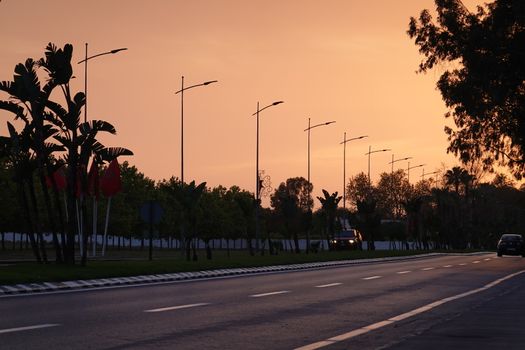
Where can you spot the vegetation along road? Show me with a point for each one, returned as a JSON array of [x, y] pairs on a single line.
[[388, 304]]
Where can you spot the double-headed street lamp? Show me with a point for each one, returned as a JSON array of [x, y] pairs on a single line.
[[345, 141], [369, 153], [181, 91], [85, 60], [257, 179], [397, 160], [412, 167]]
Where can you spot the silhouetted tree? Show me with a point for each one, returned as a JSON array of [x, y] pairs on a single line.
[[484, 86], [293, 204], [329, 207]]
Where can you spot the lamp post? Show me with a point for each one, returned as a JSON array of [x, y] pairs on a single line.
[[344, 163], [85, 60], [423, 174], [397, 160], [412, 167], [257, 180], [310, 127], [181, 91], [369, 153]]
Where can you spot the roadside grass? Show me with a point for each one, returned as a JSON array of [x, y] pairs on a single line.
[[125, 264]]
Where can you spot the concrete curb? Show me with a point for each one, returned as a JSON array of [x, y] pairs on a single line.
[[35, 288]]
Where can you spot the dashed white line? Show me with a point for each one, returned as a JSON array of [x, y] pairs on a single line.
[[422, 309], [372, 278], [27, 328], [476, 262], [447, 266], [487, 259], [178, 307], [328, 285], [270, 293], [427, 269], [462, 264], [403, 272]]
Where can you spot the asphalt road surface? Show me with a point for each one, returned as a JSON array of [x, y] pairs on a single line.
[[444, 302]]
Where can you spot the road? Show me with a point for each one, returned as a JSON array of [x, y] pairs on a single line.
[[432, 303]]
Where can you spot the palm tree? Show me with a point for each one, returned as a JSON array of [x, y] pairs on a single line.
[[189, 195], [45, 119], [16, 149], [329, 207], [455, 177]]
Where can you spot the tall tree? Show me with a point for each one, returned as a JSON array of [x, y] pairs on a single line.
[[329, 207], [483, 88], [292, 203]]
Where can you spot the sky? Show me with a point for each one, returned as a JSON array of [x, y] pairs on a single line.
[[345, 60]]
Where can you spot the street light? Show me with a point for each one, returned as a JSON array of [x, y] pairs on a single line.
[[257, 182], [85, 60], [344, 164], [369, 153], [181, 91], [413, 167], [397, 160], [308, 129], [424, 174]]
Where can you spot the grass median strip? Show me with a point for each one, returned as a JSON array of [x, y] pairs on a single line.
[[128, 264]]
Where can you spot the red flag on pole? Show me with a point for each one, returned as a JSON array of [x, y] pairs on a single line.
[[93, 180], [110, 182]]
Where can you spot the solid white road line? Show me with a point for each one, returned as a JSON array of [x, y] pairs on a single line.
[[268, 294], [20, 329], [178, 307], [328, 285], [372, 278], [403, 272], [422, 309], [427, 269]]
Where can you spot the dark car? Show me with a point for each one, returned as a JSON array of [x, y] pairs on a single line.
[[347, 239], [511, 244]]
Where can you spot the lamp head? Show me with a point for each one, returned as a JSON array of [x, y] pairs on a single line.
[[117, 50], [277, 102]]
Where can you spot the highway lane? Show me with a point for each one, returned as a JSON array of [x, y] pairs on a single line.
[[267, 311]]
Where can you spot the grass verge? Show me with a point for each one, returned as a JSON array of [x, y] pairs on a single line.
[[27, 272]]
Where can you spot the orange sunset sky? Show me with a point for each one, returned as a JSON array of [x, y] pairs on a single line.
[[344, 60]]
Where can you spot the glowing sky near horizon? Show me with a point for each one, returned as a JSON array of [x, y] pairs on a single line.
[[344, 60]]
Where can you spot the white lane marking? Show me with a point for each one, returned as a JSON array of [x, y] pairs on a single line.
[[20, 329], [422, 309], [487, 259], [328, 285], [462, 264], [178, 307], [270, 293], [447, 266], [403, 272], [372, 278], [427, 269], [476, 262]]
